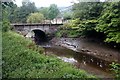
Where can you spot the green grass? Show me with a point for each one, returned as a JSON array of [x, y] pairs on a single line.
[[21, 60]]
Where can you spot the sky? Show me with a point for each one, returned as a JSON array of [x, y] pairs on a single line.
[[46, 3]]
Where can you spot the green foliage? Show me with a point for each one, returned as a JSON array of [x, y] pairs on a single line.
[[5, 26], [5, 15], [69, 29], [87, 10], [35, 18], [109, 22], [67, 15], [21, 59], [76, 28], [71, 24], [53, 11], [85, 19], [115, 67], [68, 33], [21, 13], [87, 26], [10, 12], [92, 18], [44, 11], [50, 12], [18, 14]]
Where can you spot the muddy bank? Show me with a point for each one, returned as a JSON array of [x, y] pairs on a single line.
[[90, 47]]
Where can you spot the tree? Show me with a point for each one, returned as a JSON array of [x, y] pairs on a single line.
[[67, 15], [35, 18], [87, 10], [109, 22], [53, 11], [22, 12], [11, 12], [5, 15], [85, 15], [44, 11]]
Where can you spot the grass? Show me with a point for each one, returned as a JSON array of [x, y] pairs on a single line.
[[23, 59]]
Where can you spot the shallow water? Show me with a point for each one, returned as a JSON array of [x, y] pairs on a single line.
[[89, 63], [83, 54]]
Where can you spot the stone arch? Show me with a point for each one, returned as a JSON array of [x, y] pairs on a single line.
[[39, 36], [37, 29]]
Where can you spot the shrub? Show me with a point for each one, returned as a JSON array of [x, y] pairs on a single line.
[[21, 59], [35, 18], [115, 67], [5, 26]]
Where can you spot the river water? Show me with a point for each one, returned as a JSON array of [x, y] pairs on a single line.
[[85, 54]]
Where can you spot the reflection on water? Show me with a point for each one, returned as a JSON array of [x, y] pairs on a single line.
[[70, 60], [83, 61]]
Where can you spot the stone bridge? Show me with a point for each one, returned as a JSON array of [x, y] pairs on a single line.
[[40, 30], [47, 28]]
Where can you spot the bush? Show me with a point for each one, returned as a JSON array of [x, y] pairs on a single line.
[[69, 29], [5, 26], [115, 67], [35, 18]]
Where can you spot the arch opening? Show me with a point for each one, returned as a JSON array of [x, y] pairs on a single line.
[[39, 36]]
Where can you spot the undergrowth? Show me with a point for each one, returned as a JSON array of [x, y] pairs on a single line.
[[23, 59]]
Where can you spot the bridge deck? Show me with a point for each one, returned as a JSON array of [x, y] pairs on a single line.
[[33, 24]]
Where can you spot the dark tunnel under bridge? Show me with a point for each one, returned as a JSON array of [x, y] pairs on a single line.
[[39, 36]]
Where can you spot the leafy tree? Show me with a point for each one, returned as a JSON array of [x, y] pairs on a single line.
[[87, 27], [5, 15], [85, 17], [22, 12], [67, 15], [11, 12], [53, 11], [87, 10], [35, 18], [44, 11], [109, 22]]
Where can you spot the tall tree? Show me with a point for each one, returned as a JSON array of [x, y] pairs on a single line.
[[44, 11], [23, 11], [53, 11], [5, 15], [11, 11], [87, 10], [86, 15]]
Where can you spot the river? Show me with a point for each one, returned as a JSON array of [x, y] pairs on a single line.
[[85, 54]]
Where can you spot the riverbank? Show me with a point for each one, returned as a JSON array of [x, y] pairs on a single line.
[[90, 47], [23, 59]]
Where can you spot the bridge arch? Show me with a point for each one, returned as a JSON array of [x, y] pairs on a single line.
[[39, 35], [37, 29]]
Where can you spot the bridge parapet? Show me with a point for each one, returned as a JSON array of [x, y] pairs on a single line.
[[28, 27]]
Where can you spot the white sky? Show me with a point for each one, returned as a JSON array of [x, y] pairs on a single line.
[[46, 3]]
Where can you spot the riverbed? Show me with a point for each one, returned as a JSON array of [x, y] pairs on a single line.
[[88, 55]]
